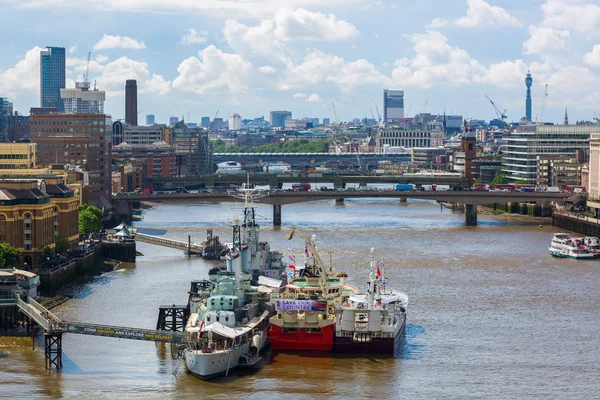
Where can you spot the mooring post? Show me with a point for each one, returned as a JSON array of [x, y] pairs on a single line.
[[189, 245], [276, 214]]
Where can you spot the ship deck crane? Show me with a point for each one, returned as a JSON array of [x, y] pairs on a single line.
[[501, 114]]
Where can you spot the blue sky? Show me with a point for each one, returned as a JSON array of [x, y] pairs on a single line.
[[252, 56]]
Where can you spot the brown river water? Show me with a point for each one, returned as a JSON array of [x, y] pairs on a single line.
[[491, 314]]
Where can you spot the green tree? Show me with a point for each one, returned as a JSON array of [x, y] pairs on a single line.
[[500, 179], [62, 245], [90, 219], [9, 255]]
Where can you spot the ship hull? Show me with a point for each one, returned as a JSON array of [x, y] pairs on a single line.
[[210, 365], [301, 340], [346, 344]]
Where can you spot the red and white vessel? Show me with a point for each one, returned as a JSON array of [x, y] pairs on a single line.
[[305, 319]]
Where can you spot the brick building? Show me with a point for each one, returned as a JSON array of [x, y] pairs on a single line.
[[76, 139]]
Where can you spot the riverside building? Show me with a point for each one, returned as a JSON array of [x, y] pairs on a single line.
[[523, 146]]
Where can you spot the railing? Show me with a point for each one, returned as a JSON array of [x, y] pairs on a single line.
[[155, 239]]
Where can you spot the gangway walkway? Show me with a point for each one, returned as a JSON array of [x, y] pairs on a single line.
[[191, 248], [54, 327]]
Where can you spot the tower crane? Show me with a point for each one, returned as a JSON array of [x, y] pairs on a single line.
[[423, 111], [501, 114], [217, 113], [378, 115], [541, 116], [87, 69], [335, 118]]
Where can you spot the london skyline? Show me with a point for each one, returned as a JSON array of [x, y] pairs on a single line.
[[251, 57]]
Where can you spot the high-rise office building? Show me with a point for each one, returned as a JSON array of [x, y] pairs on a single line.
[[278, 118], [82, 100], [150, 119], [235, 122], [393, 105], [131, 111], [205, 122], [326, 121], [173, 121], [52, 77], [528, 82]]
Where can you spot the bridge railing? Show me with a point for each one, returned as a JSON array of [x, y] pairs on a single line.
[[172, 242]]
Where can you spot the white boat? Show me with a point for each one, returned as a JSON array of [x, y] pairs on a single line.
[[565, 246], [371, 322], [591, 242]]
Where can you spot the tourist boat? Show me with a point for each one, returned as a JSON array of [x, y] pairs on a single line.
[[564, 246], [305, 319], [371, 322], [591, 242]]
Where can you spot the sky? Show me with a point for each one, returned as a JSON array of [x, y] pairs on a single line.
[[194, 58]]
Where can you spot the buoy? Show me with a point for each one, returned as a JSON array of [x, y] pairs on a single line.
[[541, 226]]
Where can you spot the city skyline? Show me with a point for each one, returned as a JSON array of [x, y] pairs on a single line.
[[254, 57]]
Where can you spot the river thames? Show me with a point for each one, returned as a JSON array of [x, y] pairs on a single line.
[[491, 314]]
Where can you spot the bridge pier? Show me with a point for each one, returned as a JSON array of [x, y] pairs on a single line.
[[53, 350], [339, 201], [172, 318], [404, 200], [471, 214], [276, 214]]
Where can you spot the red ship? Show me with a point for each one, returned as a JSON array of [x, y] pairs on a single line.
[[305, 319]]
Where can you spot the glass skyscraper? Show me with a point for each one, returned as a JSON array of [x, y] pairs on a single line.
[[52, 77]]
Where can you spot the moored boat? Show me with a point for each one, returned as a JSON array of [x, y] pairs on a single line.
[[371, 322], [305, 319], [565, 246]]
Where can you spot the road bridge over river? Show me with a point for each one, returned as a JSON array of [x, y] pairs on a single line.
[[279, 198], [277, 180]]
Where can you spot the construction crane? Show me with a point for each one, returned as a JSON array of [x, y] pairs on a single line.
[[335, 118], [217, 113], [501, 114], [596, 117], [423, 111], [408, 112], [87, 69], [541, 116], [378, 116]]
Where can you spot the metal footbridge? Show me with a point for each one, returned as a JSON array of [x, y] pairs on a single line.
[[191, 248], [52, 325]]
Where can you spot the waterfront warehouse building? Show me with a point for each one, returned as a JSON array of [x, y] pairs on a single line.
[[52, 77], [530, 141], [33, 212]]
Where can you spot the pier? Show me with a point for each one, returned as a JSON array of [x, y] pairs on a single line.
[[54, 329], [189, 247]]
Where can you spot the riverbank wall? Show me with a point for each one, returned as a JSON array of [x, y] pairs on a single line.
[[582, 225]]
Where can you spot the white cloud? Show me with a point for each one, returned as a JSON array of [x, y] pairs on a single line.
[[73, 49], [111, 75], [192, 36], [314, 98], [438, 23], [298, 96], [479, 15], [573, 15], [593, 57], [243, 8], [319, 67], [506, 74], [267, 69], [24, 76], [213, 70], [435, 62], [544, 40], [115, 41], [269, 37]]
